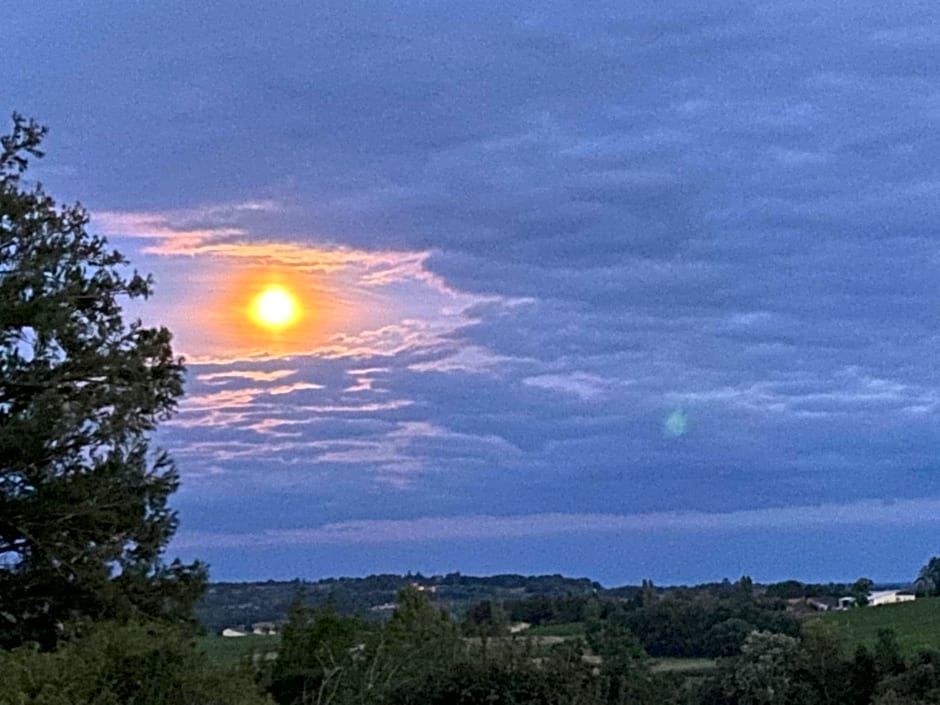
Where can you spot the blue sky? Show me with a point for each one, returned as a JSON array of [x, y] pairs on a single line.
[[624, 290]]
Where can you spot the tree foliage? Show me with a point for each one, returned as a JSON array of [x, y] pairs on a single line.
[[318, 661], [861, 589], [143, 664], [83, 500], [928, 579]]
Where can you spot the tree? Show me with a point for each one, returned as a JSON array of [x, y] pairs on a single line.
[[861, 589], [824, 673], [928, 580], [887, 654], [420, 638], [317, 662], [765, 672], [83, 500]]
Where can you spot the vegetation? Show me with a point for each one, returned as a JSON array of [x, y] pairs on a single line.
[[420, 657], [917, 624], [140, 664], [928, 580], [705, 623], [229, 653], [241, 604], [565, 629], [83, 501]]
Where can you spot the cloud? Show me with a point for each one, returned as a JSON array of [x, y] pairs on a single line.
[[253, 375], [580, 384], [900, 513], [526, 236]]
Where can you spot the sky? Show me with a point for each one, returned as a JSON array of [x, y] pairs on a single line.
[[623, 290]]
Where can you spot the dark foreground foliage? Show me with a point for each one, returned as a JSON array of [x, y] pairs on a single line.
[[419, 656], [143, 664]]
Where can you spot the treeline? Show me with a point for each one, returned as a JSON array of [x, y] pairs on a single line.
[[776, 669], [239, 604], [420, 657], [706, 621], [537, 600], [794, 589]]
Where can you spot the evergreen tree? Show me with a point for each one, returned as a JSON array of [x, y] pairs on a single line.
[[83, 500]]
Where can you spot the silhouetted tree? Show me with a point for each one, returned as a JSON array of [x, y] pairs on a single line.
[[83, 500]]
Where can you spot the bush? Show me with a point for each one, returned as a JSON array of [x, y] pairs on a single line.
[[146, 664]]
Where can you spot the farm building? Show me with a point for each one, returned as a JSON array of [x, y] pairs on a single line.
[[822, 604], [889, 597]]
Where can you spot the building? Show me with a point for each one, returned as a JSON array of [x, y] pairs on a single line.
[[889, 597], [233, 632], [822, 604]]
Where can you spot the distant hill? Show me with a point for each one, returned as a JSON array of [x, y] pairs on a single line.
[[242, 604]]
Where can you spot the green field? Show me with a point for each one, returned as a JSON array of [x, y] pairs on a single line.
[[683, 665], [567, 629], [916, 624], [229, 652]]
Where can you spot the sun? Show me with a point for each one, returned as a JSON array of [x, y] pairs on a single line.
[[275, 308]]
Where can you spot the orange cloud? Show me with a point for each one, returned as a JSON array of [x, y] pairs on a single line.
[[210, 270]]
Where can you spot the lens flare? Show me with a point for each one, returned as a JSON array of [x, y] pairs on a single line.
[[676, 424]]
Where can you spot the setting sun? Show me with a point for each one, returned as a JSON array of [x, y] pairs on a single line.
[[275, 308]]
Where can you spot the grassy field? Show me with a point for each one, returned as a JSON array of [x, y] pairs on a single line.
[[229, 652], [568, 629], [916, 624], [683, 665]]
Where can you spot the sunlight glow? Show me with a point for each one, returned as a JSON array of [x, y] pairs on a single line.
[[275, 308]]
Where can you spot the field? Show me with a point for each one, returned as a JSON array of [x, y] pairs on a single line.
[[568, 629], [229, 652], [688, 666], [916, 624]]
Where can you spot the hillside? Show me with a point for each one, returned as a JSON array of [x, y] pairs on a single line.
[[916, 624], [241, 604]]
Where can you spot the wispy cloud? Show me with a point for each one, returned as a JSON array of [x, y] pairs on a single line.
[[252, 375], [460, 528]]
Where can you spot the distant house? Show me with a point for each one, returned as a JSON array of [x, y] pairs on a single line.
[[889, 597], [233, 632]]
